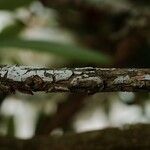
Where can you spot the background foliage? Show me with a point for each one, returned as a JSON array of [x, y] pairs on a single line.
[[64, 33]]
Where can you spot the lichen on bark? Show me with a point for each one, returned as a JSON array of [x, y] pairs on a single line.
[[30, 79]]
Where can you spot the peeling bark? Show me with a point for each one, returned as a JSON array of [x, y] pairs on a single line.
[[78, 80]]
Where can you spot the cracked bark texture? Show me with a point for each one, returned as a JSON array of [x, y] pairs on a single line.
[[76, 80], [128, 138]]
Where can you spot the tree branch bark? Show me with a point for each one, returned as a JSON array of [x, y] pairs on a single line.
[[78, 80], [129, 138]]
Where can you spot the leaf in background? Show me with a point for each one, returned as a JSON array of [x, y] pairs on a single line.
[[13, 4], [12, 30], [70, 52]]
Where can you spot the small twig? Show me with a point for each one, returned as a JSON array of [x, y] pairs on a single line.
[[78, 80]]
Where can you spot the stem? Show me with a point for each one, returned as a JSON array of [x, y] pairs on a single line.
[[78, 80]]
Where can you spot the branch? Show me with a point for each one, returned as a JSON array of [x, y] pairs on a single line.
[[78, 80], [63, 116], [131, 137]]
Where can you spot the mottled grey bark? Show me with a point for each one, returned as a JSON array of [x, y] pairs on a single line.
[[129, 138], [78, 80]]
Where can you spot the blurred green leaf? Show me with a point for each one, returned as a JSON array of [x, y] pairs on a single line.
[[12, 30], [70, 52], [13, 4]]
